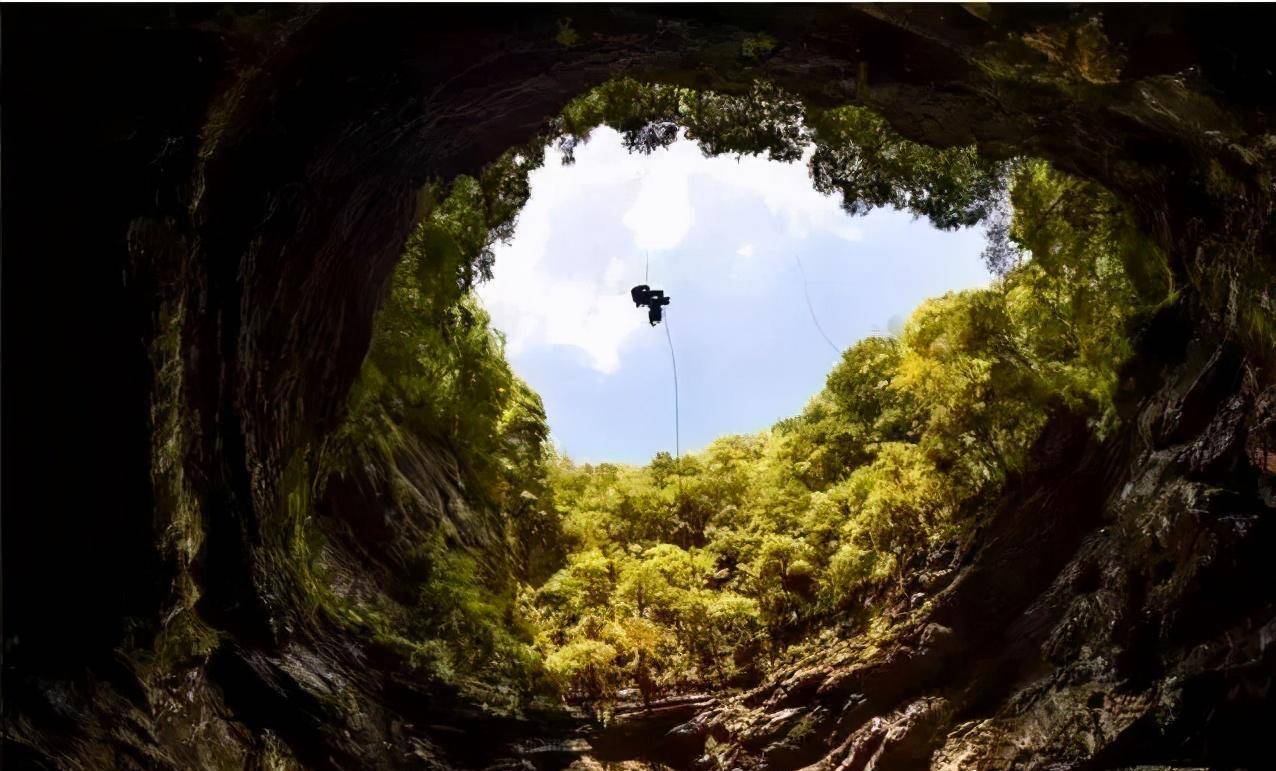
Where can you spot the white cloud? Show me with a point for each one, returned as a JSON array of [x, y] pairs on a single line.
[[846, 232], [661, 215], [785, 189], [581, 299], [536, 308], [617, 274]]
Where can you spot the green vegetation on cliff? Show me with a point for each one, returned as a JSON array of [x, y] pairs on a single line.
[[435, 392], [705, 570]]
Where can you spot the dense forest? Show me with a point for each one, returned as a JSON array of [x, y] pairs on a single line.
[[709, 570]]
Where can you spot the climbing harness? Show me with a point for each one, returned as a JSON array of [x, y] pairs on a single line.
[[654, 299]]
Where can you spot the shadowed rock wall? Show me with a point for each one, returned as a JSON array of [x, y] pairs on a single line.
[[202, 210]]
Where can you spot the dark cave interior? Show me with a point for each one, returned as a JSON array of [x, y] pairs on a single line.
[[202, 210]]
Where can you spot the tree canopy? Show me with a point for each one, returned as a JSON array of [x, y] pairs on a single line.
[[704, 570], [689, 568]]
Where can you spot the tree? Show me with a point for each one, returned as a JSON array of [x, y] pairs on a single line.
[[585, 668], [859, 157]]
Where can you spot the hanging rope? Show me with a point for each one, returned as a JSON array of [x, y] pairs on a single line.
[[677, 429], [807, 294], [673, 360]]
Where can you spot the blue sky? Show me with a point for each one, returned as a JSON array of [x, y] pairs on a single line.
[[724, 236]]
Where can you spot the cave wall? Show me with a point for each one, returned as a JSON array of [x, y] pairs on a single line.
[[1117, 609], [202, 209]]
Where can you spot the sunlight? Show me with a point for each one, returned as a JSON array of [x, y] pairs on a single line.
[[723, 237]]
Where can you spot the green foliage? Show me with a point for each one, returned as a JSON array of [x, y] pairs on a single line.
[[436, 376], [567, 35], [860, 158], [658, 611], [454, 604], [686, 569], [585, 668], [757, 47], [435, 368], [699, 571], [650, 116], [853, 152]]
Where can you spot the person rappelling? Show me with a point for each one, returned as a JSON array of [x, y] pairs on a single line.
[[654, 299]]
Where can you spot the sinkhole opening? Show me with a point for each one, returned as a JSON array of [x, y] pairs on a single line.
[[869, 336], [769, 281]]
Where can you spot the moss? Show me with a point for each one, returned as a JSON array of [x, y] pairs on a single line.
[[757, 47], [567, 35], [455, 633], [1080, 49], [802, 729], [178, 519], [185, 639]]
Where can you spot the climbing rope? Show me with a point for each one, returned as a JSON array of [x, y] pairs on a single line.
[[677, 429], [673, 359], [807, 294]]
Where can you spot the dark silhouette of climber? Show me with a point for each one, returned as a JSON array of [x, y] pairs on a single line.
[[654, 299]]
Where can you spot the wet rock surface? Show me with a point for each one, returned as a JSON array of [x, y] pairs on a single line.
[[240, 187]]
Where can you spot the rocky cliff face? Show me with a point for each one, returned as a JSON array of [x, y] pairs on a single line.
[[252, 179], [1116, 611]]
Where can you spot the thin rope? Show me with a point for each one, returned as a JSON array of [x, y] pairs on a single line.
[[677, 429], [807, 294], [673, 360]]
